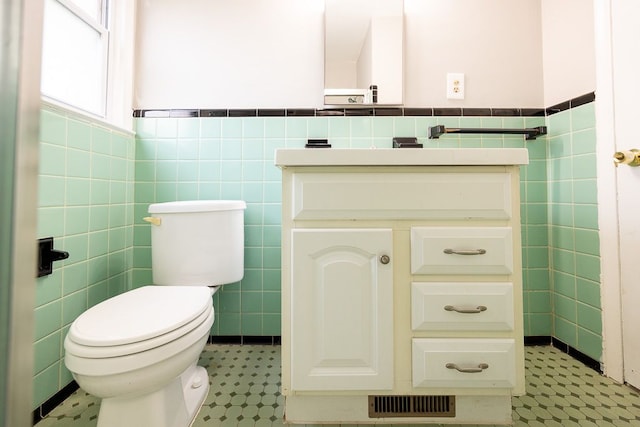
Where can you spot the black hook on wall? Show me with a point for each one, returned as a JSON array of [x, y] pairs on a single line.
[[47, 255]]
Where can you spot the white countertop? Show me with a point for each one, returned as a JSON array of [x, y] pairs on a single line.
[[400, 156]]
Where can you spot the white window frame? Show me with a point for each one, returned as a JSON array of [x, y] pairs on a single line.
[[118, 31], [102, 29]]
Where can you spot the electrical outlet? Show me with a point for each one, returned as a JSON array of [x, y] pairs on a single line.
[[455, 85]]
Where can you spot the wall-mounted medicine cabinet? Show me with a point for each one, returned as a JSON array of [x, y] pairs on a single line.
[[363, 52]]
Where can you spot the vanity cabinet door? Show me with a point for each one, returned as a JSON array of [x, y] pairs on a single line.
[[342, 309]]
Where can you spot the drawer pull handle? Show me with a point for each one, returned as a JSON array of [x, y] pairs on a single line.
[[465, 251], [466, 310], [468, 369]]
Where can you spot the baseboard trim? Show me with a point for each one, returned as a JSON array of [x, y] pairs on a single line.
[[578, 355], [538, 340], [565, 348], [43, 410], [244, 339]]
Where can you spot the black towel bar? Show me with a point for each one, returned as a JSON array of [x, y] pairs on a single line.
[[530, 133]]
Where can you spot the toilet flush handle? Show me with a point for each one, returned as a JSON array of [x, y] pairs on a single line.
[[153, 220]]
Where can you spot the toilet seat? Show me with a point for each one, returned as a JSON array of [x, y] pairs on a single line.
[[138, 320]]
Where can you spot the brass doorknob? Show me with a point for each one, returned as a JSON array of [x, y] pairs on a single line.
[[629, 157]]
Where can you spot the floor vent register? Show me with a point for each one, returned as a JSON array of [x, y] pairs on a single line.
[[412, 406]]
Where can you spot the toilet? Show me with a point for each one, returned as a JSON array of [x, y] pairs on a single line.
[[138, 351]]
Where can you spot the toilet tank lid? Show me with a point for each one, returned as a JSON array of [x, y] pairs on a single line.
[[197, 206]]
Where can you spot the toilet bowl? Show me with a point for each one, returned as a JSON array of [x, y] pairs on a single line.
[[138, 351], [145, 373]]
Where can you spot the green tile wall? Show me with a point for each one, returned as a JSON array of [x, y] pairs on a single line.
[[213, 158], [86, 203], [574, 261], [538, 318], [229, 158]]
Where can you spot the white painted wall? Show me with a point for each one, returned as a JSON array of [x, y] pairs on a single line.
[[495, 43], [568, 49], [269, 54]]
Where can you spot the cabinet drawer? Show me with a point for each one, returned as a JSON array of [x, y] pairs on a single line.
[[401, 195], [464, 363], [461, 250], [462, 306]]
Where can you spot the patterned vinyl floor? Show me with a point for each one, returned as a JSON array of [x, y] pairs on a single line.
[[561, 392]]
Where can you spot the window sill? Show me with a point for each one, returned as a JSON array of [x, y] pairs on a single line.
[[69, 111]]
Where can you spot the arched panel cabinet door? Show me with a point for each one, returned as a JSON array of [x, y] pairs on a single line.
[[342, 303]]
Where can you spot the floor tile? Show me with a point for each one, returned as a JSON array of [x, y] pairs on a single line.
[[245, 391]]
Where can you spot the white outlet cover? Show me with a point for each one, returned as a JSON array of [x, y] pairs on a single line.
[[455, 85]]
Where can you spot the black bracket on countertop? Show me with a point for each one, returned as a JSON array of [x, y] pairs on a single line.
[[317, 143], [406, 142], [47, 255], [530, 133]]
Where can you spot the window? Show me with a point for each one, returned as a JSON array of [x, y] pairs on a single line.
[[75, 53]]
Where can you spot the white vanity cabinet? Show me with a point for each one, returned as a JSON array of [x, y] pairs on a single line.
[[401, 285]]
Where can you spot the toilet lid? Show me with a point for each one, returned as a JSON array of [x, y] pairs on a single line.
[[139, 315]]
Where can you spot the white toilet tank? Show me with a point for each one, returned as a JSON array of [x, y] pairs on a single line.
[[197, 242]]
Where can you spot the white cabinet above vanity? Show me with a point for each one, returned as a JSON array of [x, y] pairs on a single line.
[[401, 285]]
